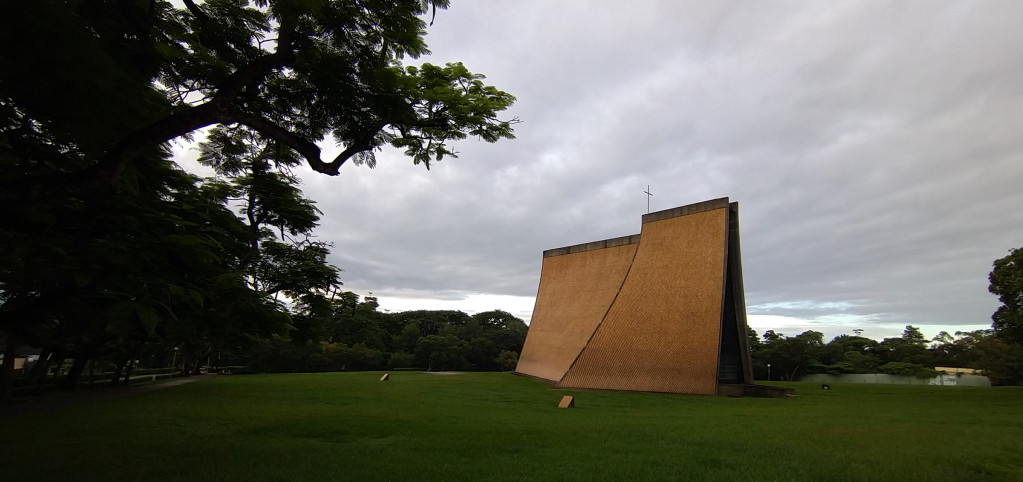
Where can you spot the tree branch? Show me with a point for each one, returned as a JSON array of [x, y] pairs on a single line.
[[303, 146], [216, 110], [363, 144], [199, 14]]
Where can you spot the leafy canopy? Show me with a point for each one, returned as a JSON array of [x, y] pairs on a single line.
[[1007, 283], [108, 80], [107, 244]]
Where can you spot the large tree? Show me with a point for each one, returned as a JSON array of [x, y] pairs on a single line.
[[104, 244], [910, 348], [104, 272], [283, 257], [113, 79], [1007, 283], [789, 356], [850, 354]]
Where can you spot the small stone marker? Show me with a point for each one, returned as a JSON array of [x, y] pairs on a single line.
[[387, 376], [825, 386], [567, 401]]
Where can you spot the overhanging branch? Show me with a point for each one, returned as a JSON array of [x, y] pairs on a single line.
[[216, 110], [303, 146]]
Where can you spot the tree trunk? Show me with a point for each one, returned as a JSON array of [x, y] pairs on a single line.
[[7, 369], [115, 380], [70, 381], [57, 360], [41, 367], [131, 368]]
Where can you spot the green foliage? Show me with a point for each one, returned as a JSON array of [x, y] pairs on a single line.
[[908, 370], [855, 362], [911, 347], [507, 360], [97, 273], [442, 352], [850, 354], [350, 332], [113, 80], [908, 355], [257, 171], [913, 336], [999, 360], [1007, 283], [753, 340], [401, 360], [790, 357], [967, 349], [366, 358], [1003, 363], [107, 248], [450, 96]]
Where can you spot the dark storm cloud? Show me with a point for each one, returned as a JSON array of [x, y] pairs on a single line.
[[874, 149]]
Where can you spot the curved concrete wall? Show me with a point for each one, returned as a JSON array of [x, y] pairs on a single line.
[[645, 312], [662, 333], [575, 292]]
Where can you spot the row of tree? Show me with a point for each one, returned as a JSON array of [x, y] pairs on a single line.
[[779, 357], [109, 251], [998, 352], [349, 334], [180, 270]]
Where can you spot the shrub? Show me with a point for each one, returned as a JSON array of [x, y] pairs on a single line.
[[401, 360], [908, 370]]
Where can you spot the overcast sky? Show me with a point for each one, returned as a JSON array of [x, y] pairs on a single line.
[[875, 150]]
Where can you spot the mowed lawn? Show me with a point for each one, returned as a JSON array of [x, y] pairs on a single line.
[[491, 426]]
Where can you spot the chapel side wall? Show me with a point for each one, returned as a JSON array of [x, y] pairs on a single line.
[[738, 290], [662, 332], [577, 285]]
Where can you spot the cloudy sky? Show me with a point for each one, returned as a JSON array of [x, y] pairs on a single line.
[[875, 150]]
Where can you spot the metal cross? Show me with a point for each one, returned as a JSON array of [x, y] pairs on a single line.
[[648, 194]]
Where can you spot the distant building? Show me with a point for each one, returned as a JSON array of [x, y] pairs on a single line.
[[962, 379], [953, 377], [957, 371], [19, 362]]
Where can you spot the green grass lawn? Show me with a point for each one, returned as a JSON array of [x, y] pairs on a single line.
[[490, 426]]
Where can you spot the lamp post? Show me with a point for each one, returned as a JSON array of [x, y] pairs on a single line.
[[768, 370]]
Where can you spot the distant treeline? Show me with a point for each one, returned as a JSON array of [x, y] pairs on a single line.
[[352, 334], [779, 357], [343, 332]]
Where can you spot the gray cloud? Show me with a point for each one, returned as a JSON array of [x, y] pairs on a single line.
[[873, 147]]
